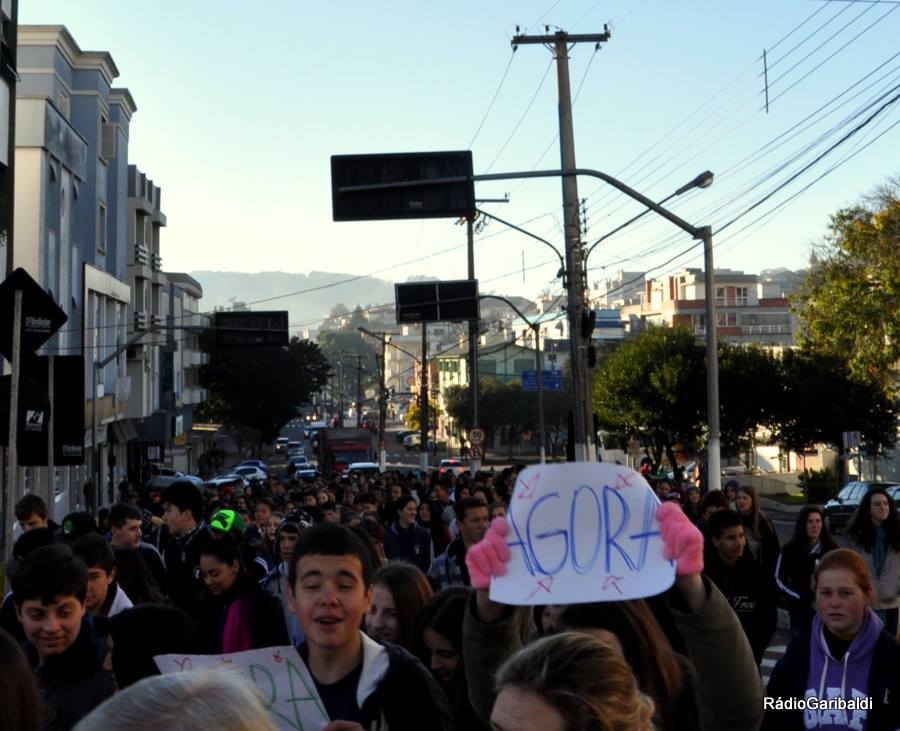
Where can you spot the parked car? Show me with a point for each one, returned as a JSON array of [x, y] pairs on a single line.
[[163, 476], [841, 507], [235, 480], [251, 472], [253, 463], [402, 434], [413, 443]]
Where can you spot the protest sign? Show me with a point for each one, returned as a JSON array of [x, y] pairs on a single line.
[[582, 532], [287, 688]]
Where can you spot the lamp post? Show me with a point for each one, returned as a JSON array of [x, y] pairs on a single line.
[[701, 233], [536, 329]]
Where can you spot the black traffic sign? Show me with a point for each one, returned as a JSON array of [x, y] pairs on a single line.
[[41, 316]]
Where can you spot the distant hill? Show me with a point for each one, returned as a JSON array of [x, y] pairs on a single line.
[[308, 298]]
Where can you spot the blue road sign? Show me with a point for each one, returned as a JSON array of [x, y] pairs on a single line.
[[551, 380]]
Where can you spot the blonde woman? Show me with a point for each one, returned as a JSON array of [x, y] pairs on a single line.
[[569, 681]]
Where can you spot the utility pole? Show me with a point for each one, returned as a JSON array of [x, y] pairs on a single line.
[[576, 286], [423, 402], [473, 338]]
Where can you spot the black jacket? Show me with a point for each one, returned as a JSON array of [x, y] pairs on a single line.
[[74, 682], [262, 612], [182, 557], [751, 592], [399, 693], [411, 544]]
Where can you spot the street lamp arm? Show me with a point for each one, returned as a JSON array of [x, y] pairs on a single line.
[[608, 179], [513, 226], [533, 325], [377, 337]]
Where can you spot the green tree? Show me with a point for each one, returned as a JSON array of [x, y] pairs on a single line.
[[849, 303], [749, 393], [820, 399], [653, 388], [254, 390]]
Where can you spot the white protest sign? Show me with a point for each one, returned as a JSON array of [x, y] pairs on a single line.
[[582, 532], [287, 688]]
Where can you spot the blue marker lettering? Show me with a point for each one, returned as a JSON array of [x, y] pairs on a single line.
[[584, 568], [544, 536], [612, 535], [648, 531]]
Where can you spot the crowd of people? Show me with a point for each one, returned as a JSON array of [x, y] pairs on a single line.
[[381, 583]]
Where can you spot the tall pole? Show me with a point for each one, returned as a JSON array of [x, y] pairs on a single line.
[[473, 340], [579, 339], [713, 461], [359, 360], [423, 403], [15, 481], [540, 387], [382, 406]]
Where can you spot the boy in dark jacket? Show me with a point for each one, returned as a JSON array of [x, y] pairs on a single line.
[[49, 589], [359, 680], [748, 588]]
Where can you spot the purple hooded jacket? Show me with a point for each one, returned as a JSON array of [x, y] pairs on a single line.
[[847, 678]]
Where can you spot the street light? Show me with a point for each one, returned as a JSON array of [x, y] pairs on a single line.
[[536, 328], [702, 233]]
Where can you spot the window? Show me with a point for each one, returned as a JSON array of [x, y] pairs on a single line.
[[103, 226], [741, 296], [720, 296], [726, 319]]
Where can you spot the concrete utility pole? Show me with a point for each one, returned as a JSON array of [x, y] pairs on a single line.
[[576, 286]]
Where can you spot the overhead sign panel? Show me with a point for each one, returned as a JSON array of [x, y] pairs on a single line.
[[437, 301], [402, 185], [251, 328]]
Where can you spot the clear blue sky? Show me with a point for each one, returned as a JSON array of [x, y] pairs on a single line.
[[241, 105]]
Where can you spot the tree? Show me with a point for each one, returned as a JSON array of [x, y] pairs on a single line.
[[849, 303], [653, 388], [820, 399], [748, 394], [255, 389]]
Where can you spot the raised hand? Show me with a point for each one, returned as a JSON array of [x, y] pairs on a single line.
[[489, 556]]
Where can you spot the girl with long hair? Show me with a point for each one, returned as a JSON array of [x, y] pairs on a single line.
[[399, 591], [799, 556], [762, 540], [874, 532], [235, 613]]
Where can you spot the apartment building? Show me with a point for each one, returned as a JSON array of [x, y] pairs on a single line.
[[748, 309]]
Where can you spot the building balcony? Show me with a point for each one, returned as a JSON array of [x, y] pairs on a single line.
[[194, 395], [196, 358], [141, 320]]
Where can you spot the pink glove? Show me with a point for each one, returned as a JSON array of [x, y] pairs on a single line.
[[683, 540], [488, 557]]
